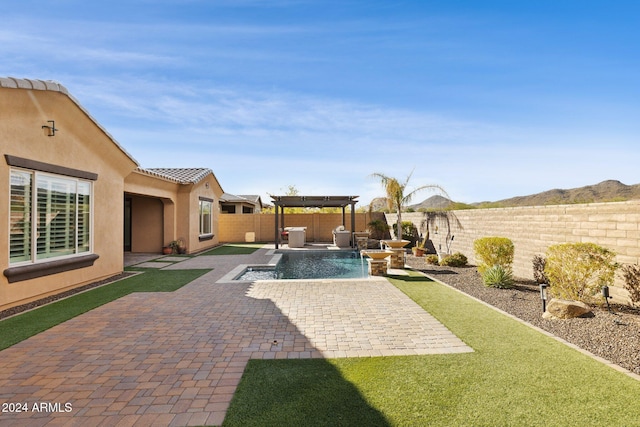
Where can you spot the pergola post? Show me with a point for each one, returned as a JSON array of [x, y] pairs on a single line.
[[353, 223], [280, 202], [277, 235]]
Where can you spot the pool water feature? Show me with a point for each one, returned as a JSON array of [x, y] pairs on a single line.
[[311, 265]]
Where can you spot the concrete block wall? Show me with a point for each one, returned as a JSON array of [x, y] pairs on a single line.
[[533, 229], [261, 227]]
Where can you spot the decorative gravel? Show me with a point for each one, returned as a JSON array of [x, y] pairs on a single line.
[[614, 336], [44, 301]]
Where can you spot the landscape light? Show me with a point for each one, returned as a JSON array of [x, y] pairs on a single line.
[[605, 295], [543, 296]]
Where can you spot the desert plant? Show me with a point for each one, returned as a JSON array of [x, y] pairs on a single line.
[[491, 251], [409, 232], [498, 277], [538, 269], [174, 245], [455, 260], [378, 228], [578, 271], [432, 259], [631, 276], [397, 196]]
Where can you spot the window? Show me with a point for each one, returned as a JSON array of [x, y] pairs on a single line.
[[206, 217], [50, 216]]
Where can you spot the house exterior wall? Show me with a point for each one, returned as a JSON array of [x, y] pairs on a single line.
[[79, 144], [189, 214], [614, 226], [180, 211], [147, 226]]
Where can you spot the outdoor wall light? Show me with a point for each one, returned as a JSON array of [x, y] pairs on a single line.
[[51, 129], [544, 295]]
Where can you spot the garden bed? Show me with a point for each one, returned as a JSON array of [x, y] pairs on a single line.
[[613, 336]]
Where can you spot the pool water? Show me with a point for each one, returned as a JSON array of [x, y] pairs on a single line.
[[312, 265]]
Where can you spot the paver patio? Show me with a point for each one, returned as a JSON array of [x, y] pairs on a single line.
[[176, 358]]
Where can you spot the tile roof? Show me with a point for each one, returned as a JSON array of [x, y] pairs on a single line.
[[226, 197], [180, 175], [50, 85]]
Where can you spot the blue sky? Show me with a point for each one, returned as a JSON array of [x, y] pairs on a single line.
[[489, 99]]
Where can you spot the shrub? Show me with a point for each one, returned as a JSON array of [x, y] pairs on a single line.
[[538, 269], [498, 277], [432, 259], [491, 251], [455, 260], [578, 271], [378, 229], [631, 276], [409, 232]]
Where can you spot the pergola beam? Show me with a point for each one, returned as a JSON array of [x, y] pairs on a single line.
[[281, 202]]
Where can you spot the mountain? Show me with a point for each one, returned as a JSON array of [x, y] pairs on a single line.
[[606, 191], [378, 204], [433, 202]]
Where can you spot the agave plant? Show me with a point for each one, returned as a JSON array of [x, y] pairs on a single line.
[[498, 277]]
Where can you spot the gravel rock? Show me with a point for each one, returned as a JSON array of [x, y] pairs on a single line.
[[44, 301], [613, 336]]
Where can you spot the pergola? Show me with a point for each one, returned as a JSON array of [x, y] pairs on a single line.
[[281, 202]]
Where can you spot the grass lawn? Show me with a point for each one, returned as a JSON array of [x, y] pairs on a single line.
[[235, 249], [515, 377], [20, 327]]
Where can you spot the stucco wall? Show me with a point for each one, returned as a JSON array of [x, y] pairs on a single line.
[[534, 229], [180, 211], [146, 224], [79, 144], [188, 213]]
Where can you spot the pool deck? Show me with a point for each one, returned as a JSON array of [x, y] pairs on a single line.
[[176, 358]]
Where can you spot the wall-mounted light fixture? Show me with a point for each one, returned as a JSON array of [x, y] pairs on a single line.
[[50, 129]]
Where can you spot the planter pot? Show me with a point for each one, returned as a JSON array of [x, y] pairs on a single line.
[[377, 255], [396, 243], [167, 250], [418, 251]]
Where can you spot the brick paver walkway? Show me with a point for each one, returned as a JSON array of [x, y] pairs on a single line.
[[176, 358]]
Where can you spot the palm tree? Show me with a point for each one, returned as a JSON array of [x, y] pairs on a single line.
[[396, 197]]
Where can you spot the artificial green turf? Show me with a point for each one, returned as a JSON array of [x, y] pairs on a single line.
[[235, 249], [515, 377], [20, 327]]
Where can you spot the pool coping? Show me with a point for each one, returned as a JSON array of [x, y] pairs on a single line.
[[276, 255]]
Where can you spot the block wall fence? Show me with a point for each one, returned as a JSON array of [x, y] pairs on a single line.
[[614, 226], [234, 228], [532, 229]]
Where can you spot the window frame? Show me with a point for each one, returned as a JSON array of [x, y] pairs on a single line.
[[202, 234], [37, 214], [33, 267]]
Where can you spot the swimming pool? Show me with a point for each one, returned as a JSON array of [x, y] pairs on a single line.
[[311, 265]]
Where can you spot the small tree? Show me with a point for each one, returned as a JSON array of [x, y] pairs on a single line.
[[396, 197], [578, 271]]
